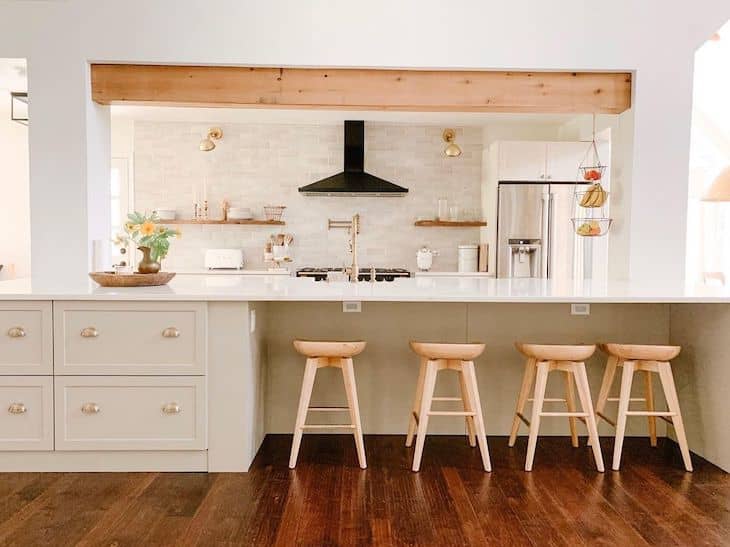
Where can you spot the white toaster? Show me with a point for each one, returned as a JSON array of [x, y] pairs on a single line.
[[219, 259]]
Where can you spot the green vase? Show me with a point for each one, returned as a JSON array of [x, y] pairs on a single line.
[[147, 265]]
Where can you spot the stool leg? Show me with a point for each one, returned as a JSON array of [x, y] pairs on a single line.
[[348, 375], [537, 401], [429, 384], [623, 407], [527, 379], [468, 407], [310, 371], [670, 394], [608, 376], [570, 403], [649, 396], [412, 423], [584, 392], [470, 381]]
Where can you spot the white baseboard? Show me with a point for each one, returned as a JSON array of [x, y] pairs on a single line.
[[121, 461]]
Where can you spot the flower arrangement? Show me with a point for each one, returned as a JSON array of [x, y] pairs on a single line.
[[145, 231]]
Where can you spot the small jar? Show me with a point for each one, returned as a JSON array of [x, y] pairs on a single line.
[[468, 257], [443, 209]]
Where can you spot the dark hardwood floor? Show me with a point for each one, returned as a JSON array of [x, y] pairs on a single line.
[[328, 500]]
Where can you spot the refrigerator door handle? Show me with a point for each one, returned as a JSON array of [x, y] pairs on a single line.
[[545, 252]]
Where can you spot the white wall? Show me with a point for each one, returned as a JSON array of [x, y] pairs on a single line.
[[258, 164], [59, 38], [14, 200]]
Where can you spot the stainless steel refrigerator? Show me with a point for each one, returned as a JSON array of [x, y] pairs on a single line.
[[535, 236]]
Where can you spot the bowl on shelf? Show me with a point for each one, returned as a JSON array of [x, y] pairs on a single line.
[[165, 214], [274, 212], [240, 213], [591, 227]]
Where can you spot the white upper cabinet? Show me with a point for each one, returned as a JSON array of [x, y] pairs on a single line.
[[537, 161], [563, 159], [521, 161]]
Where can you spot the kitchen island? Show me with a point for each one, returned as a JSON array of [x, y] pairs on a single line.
[[210, 357]]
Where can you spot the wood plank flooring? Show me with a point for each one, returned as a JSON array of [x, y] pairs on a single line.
[[328, 500]]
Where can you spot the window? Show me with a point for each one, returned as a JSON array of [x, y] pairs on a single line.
[[120, 201], [708, 224]]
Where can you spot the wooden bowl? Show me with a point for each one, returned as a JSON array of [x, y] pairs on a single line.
[[111, 279]]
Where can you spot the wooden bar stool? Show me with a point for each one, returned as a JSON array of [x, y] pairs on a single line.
[[328, 354], [541, 359], [632, 358], [434, 358]]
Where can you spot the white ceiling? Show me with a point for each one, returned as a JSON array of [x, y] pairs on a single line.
[[270, 115], [13, 74]]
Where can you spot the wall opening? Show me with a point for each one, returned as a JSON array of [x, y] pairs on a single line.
[[708, 222], [14, 179]]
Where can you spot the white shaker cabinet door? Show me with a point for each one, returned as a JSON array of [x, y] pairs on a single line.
[[136, 338], [130, 413], [563, 159], [26, 338], [26, 413], [521, 161]]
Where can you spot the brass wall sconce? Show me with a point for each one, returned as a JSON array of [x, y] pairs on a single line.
[[452, 149], [208, 144]]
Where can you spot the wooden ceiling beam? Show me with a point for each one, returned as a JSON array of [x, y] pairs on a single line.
[[362, 89]]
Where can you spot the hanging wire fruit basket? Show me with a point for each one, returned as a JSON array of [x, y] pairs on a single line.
[[591, 199]]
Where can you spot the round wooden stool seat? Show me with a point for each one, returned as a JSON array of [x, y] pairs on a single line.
[[314, 348], [437, 350], [638, 352], [556, 352]]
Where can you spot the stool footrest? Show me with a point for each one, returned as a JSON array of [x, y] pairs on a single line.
[[328, 426], [549, 400], [328, 409], [450, 413], [606, 418], [568, 414], [446, 399], [522, 417], [631, 400], [649, 413]]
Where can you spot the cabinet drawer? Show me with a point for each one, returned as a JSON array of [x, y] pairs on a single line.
[[130, 413], [26, 413], [130, 338], [26, 343]]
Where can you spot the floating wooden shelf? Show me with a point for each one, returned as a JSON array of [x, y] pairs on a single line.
[[250, 222], [451, 223]]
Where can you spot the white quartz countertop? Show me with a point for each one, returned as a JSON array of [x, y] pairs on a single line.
[[419, 289]]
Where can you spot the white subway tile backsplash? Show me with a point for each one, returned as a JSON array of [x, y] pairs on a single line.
[[261, 164]]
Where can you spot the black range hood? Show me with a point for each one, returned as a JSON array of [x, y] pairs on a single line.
[[354, 181]]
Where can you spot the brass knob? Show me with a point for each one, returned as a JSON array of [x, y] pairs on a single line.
[[17, 408], [171, 408], [16, 332], [89, 332], [171, 332], [90, 408]]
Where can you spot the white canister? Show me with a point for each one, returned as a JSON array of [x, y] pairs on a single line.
[[469, 258]]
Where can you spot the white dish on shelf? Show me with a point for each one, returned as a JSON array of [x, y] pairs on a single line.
[[165, 214], [240, 213]]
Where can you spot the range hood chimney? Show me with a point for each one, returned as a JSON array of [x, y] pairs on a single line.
[[354, 181]]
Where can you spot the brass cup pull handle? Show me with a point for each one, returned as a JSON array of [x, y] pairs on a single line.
[[89, 332], [171, 332], [17, 408], [90, 408], [16, 332], [171, 408]]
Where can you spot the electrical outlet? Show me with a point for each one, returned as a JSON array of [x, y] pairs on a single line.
[[580, 309], [352, 307]]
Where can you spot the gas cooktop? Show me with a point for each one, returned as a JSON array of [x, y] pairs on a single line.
[[381, 274]]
